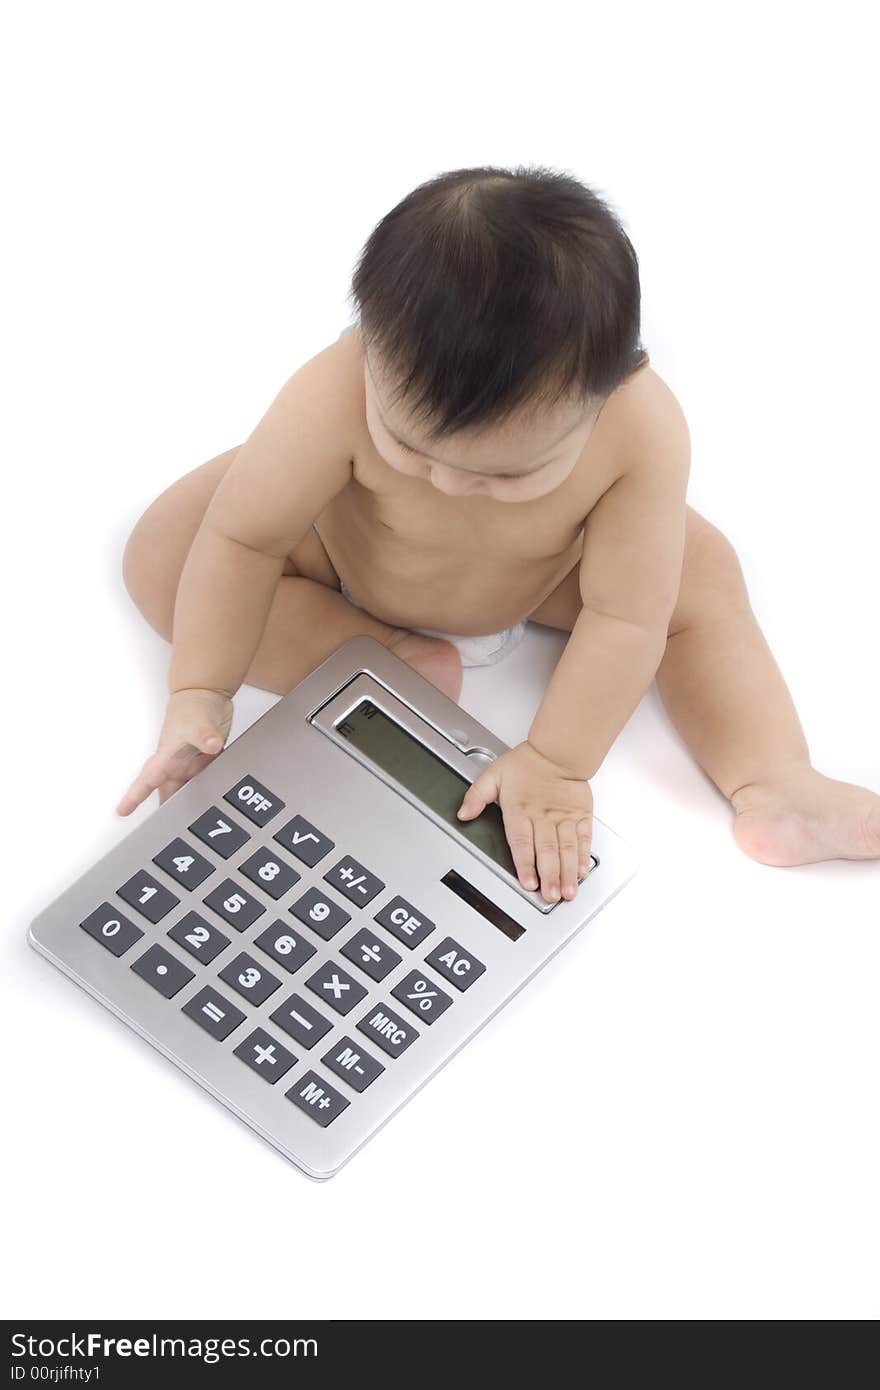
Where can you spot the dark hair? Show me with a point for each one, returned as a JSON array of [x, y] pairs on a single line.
[[489, 290]]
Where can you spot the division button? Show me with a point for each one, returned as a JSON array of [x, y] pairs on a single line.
[[254, 801], [405, 921], [265, 1055], [356, 1067], [217, 830], [317, 1098], [214, 1013], [184, 864], [305, 840], [152, 900], [163, 971], [455, 964], [336, 988], [387, 1030], [354, 881], [372, 955], [304, 1024], [422, 997], [107, 925]]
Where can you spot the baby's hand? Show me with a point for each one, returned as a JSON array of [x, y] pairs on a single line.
[[548, 815], [195, 729]]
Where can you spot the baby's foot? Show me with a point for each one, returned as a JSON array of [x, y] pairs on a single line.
[[433, 657], [801, 817]]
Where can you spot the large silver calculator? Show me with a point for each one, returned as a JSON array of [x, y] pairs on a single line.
[[306, 928]]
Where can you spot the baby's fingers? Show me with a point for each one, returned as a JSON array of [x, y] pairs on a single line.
[[150, 778], [521, 838]]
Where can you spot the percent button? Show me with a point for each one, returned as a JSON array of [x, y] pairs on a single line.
[[422, 997]]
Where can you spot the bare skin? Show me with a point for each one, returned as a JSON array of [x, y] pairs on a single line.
[[590, 534]]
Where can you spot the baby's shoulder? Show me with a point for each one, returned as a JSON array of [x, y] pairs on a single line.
[[641, 416]]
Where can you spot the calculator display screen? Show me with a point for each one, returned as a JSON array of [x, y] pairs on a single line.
[[428, 777]]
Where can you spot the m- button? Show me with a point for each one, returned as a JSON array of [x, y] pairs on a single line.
[[456, 964]]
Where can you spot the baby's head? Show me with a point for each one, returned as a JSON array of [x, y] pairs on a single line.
[[498, 311]]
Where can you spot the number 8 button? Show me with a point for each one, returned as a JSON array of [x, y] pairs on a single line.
[[269, 874]]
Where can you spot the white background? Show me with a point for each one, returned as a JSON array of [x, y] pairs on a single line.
[[679, 1118]]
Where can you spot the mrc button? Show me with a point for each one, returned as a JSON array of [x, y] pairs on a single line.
[[387, 1030], [254, 800], [456, 964]]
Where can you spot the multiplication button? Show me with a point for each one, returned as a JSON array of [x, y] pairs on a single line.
[[267, 1057], [183, 864], [387, 1030], [405, 921], [151, 899], [254, 801], [422, 997], [267, 872], [235, 907], [317, 1098], [455, 964], [354, 881], [217, 831], [163, 971], [113, 930], [335, 987], [214, 1013], [305, 840], [375, 958], [356, 1067]]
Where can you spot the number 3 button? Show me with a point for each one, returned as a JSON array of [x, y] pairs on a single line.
[[249, 979]]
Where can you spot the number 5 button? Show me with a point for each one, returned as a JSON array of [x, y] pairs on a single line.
[[235, 907]]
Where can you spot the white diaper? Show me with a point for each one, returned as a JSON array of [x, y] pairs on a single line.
[[482, 650]]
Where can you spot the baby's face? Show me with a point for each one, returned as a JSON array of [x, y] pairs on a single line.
[[513, 463]]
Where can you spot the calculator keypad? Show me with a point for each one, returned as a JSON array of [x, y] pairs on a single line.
[[107, 925], [305, 840], [151, 899], [421, 996], [304, 1024], [268, 872], [219, 832], [318, 912], [184, 864], [266, 1056], [249, 979], [336, 988], [318, 1098], [163, 971], [371, 954], [290, 948], [254, 800], [214, 1013], [354, 881], [200, 938], [234, 905]]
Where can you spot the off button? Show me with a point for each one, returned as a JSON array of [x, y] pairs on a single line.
[[455, 964], [254, 800]]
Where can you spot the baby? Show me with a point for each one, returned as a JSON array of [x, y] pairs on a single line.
[[487, 445]]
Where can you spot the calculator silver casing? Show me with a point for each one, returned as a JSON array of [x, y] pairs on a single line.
[[383, 827]]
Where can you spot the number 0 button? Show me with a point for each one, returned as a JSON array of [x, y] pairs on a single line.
[[113, 930]]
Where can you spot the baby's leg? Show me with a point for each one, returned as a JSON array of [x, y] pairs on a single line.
[[728, 700], [309, 617]]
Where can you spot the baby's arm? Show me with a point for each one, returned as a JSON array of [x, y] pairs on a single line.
[[290, 466], [629, 578]]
